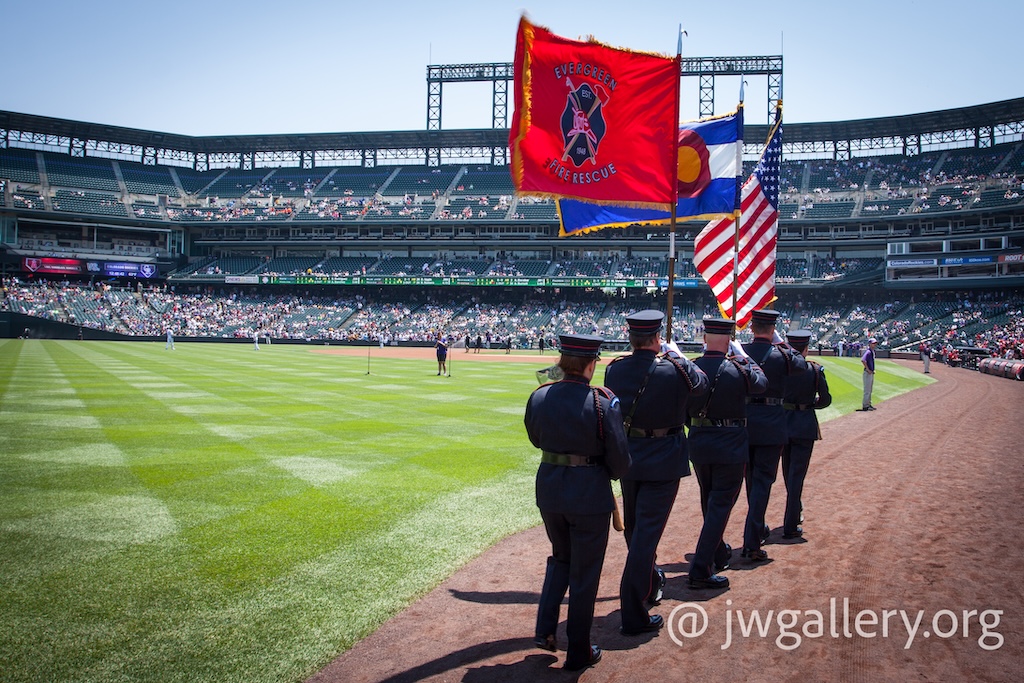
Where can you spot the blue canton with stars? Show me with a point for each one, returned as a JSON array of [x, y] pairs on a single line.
[[767, 170]]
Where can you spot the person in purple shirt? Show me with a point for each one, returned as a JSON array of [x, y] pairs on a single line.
[[442, 355], [867, 359]]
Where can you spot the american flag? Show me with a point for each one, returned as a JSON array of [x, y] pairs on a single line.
[[714, 249]]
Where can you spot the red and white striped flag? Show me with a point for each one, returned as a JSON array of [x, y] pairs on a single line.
[[715, 247]]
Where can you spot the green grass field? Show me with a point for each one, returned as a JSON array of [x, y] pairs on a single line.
[[220, 514]]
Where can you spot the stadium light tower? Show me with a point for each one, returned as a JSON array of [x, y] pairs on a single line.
[[500, 73]]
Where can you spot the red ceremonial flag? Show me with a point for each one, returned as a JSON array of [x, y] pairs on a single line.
[[750, 276], [592, 121]]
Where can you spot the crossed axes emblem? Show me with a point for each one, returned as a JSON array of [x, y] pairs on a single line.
[[581, 120]]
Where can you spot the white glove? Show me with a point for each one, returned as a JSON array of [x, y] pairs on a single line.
[[776, 338], [671, 346], [737, 349]]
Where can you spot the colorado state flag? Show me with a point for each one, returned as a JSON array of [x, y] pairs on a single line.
[[708, 183]]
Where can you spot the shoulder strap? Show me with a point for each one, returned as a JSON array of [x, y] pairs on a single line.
[[643, 385], [818, 369], [679, 368], [600, 413], [714, 383]]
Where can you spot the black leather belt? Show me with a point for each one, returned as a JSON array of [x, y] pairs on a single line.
[[764, 401], [713, 422], [654, 433], [798, 406], [567, 459]]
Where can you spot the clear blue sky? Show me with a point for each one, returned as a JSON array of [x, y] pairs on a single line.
[[231, 67]]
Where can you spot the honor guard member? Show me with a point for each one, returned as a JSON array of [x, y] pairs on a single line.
[[717, 439], [654, 391], [766, 424], [583, 444], [805, 392]]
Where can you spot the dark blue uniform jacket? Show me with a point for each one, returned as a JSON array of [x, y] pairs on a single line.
[[732, 380], [767, 424], [806, 392], [662, 405], [564, 417]]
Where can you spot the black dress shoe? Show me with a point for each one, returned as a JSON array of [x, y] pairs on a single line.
[[595, 657], [713, 581], [653, 624], [722, 563], [546, 643], [793, 534], [754, 554], [659, 590]]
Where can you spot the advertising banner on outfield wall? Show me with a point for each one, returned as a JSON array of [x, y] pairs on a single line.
[[967, 260], [911, 263]]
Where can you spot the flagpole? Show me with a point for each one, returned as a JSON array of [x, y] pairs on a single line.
[[771, 132], [736, 245], [736, 235], [675, 199], [671, 271]]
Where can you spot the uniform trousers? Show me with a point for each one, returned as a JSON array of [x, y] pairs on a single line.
[[578, 544], [869, 384], [719, 488], [761, 474], [796, 459], [646, 506]]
